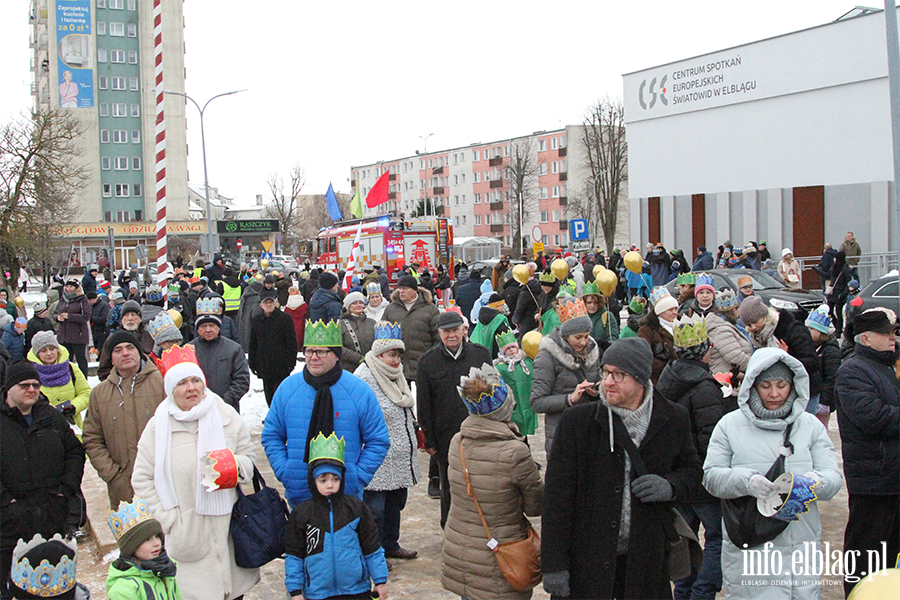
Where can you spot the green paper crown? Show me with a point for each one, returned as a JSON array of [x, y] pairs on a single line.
[[547, 278], [686, 279], [330, 448], [320, 334], [591, 289], [505, 339], [690, 331]]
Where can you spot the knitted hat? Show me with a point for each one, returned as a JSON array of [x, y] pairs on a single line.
[[19, 372], [662, 300], [353, 297], [704, 281], [408, 281], [41, 305], [327, 280], [21, 324], [131, 306], [387, 337], [132, 525], [633, 356], [819, 319], [122, 336], [753, 309], [573, 317], [853, 285], [162, 329], [44, 568], [778, 371], [43, 339], [271, 279]]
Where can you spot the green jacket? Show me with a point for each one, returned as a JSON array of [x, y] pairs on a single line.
[[520, 384], [484, 334], [550, 321], [126, 582], [627, 332], [606, 328]]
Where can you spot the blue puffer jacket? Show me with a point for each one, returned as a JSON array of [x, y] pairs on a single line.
[[324, 305], [14, 342], [357, 417]]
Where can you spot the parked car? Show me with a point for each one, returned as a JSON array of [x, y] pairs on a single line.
[[277, 265], [774, 293], [882, 293], [486, 266]]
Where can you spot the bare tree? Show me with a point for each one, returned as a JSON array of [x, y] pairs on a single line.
[[40, 174], [522, 171], [285, 206], [603, 141]]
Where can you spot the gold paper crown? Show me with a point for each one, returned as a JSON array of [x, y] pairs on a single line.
[[570, 308], [319, 334], [690, 331], [127, 516], [331, 448], [175, 356]]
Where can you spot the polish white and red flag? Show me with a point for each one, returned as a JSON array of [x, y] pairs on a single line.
[[351, 266]]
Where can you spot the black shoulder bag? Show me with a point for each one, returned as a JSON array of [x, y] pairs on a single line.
[[258, 524], [746, 526]]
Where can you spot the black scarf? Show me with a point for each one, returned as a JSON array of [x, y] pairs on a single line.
[[161, 566], [322, 418]]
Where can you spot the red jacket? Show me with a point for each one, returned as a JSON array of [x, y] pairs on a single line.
[[299, 316]]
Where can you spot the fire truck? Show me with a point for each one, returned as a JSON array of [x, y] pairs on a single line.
[[388, 241]]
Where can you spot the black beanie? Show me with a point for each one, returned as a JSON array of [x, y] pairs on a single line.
[[632, 355], [123, 336], [19, 372], [327, 280], [408, 281]]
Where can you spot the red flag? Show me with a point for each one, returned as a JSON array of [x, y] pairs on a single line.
[[379, 192], [351, 266]]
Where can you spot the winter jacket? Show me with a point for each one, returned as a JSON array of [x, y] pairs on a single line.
[[418, 326], [519, 377], [310, 286], [826, 262], [743, 445], [125, 581], [225, 366], [104, 362], [510, 294], [788, 271], [273, 346], [99, 317], [14, 342], [605, 328], [852, 251], [508, 486], [76, 390], [440, 409], [214, 271], [297, 310], [332, 547], [35, 325], [283, 286], [119, 411], [41, 466], [385, 284], [325, 305], [840, 285], [663, 346], [583, 499], [200, 544], [556, 374], [867, 399], [486, 292], [731, 350], [358, 419], [249, 308], [800, 346], [689, 383], [88, 284], [468, 293], [358, 334], [74, 330], [53, 296], [829, 354], [704, 262], [659, 267], [400, 468], [491, 323], [527, 307]]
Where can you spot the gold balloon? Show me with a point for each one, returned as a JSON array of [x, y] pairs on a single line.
[[883, 585], [19, 301], [607, 282], [264, 263], [597, 269], [560, 269], [531, 342], [634, 262], [176, 316], [521, 274]]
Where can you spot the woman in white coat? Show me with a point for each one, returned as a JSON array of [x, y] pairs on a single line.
[[743, 447], [191, 422]]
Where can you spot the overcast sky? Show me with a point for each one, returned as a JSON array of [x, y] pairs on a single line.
[[337, 84]]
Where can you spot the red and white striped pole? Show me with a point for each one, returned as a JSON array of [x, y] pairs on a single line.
[[162, 265], [351, 266]]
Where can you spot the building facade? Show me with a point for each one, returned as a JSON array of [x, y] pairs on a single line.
[[96, 58]]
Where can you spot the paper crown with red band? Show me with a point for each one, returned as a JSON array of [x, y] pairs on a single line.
[[219, 470], [177, 363]]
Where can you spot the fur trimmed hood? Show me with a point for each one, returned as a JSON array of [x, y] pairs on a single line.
[[563, 353], [424, 294]]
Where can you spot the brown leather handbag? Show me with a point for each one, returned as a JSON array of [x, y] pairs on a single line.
[[519, 561]]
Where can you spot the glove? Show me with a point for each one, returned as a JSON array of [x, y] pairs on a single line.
[[557, 583], [760, 487], [652, 488], [65, 407]]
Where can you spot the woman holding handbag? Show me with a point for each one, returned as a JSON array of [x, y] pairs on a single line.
[[491, 494], [744, 456]]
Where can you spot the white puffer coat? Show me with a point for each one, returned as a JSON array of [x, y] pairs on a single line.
[[743, 445], [730, 348]]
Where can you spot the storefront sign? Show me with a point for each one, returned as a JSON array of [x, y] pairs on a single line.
[[248, 226], [133, 229]]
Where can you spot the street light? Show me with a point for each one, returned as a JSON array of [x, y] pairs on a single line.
[[433, 209], [209, 231]]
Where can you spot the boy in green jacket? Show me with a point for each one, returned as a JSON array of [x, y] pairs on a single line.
[[517, 370]]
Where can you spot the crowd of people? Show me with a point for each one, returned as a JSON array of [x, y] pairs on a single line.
[[685, 403]]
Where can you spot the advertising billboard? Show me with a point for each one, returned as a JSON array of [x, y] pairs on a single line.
[[75, 54]]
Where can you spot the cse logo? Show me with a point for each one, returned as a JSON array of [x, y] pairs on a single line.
[[231, 226], [653, 93]]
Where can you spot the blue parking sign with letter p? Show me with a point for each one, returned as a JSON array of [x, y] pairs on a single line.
[[578, 229]]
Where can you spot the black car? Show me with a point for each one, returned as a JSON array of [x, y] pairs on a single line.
[[774, 293], [882, 292]]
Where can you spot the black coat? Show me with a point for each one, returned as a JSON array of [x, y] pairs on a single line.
[[583, 500], [440, 409], [36, 324], [527, 307], [867, 398], [309, 287], [468, 293], [829, 355], [510, 294], [41, 466], [800, 346], [272, 350]]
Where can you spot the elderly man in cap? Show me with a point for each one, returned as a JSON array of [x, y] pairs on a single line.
[[414, 309], [222, 360], [273, 344], [119, 409], [616, 468], [41, 465], [325, 304], [132, 322], [324, 397], [439, 407], [868, 404]]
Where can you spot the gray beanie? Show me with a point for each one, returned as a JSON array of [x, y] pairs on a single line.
[[576, 325], [779, 371], [131, 306], [633, 356], [753, 309], [43, 339]]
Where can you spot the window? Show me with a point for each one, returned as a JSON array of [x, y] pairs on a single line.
[[505, 150], [123, 216], [101, 27], [542, 170], [562, 190], [462, 157], [563, 166], [120, 136], [104, 163], [477, 199], [543, 193], [135, 136], [117, 4], [101, 3], [462, 220], [430, 163], [462, 178], [889, 290], [542, 144], [137, 191], [121, 163], [556, 216], [456, 200], [455, 160], [555, 166], [132, 5], [133, 84], [556, 239], [562, 141], [477, 176], [120, 110], [106, 190], [132, 57], [421, 164], [136, 163], [117, 56], [107, 216], [556, 191], [496, 196], [122, 190], [564, 239], [545, 239], [117, 29], [554, 143], [118, 83], [135, 110], [487, 176], [478, 219], [132, 30], [101, 55], [476, 155], [463, 198], [544, 216], [104, 109], [456, 180], [104, 136], [102, 82]]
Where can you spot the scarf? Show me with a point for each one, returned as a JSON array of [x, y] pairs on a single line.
[[754, 403], [322, 418], [518, 359], [668, 326], [69, 296], [390, 380], [54, 375], [210, 436], [161, 566], [765, 339]]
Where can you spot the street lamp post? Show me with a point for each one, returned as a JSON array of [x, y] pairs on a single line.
[[209, 231], [433, 209]]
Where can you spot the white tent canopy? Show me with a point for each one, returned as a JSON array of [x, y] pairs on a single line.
[[470, 249]]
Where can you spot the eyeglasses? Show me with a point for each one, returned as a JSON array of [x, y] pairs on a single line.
[[317, 352], [617, 376], [26, 386]]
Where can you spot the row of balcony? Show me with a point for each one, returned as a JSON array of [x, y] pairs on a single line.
[[563, 226]]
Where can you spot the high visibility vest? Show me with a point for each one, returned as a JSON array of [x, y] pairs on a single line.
[[198, 272], [232, 296]]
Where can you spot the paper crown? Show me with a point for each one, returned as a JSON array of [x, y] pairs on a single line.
[[819, 319], [176, 355], [570, 308], [498, 305], [373, 288], [686, 279], [209, 306], [658, 294], [319, 334], [726, 300], [331, 448], [128, 515], [591, 289], [219, 469], [163, 327], [488, 401], [704, 280], [690, 331], [744, 281], [44, 580], [385, 330], [547, 278], [637, 305], [505, 339], [790, 498], [153, 294]]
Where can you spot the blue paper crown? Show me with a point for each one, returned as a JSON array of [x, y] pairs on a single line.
[[154, 294], [385, 330], [209, 306], [162, 322], [127, 516], [487, 402], [725, 300], [658, 294], [373, 288], [44, 580], [819, 319], [704, 279]]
